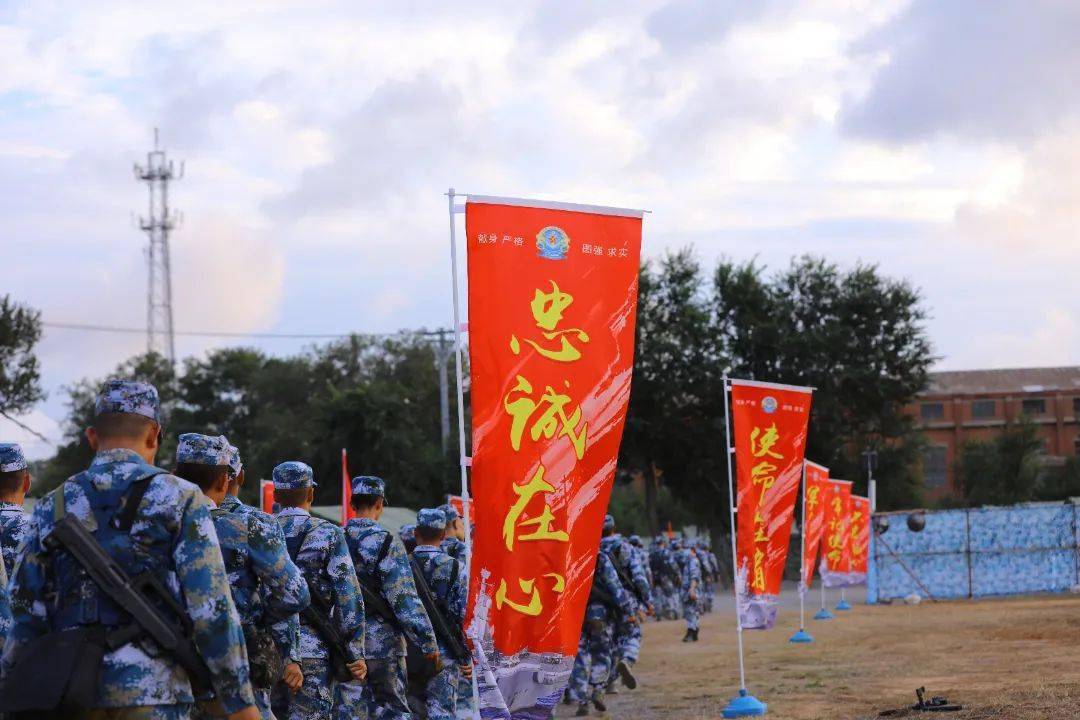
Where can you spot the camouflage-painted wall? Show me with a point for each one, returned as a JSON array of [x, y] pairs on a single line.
[[978, 553]]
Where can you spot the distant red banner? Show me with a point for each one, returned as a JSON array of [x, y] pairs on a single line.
[[769, 435], [458, 503], [266, 496], [814, 498], [552, 311], [859, 532], [836, 560]]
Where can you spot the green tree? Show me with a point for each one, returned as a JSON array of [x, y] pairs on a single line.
[[674, 420], [1003, 471], [20, 372], [74, 454]]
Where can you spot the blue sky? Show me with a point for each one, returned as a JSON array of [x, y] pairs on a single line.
[[940, 140]]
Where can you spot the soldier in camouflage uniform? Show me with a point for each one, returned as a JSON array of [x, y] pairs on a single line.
[[445, 577], [454, 543], [286, 632], [177, 543], [690, 589], [665, 576], [383, 568], [14, 484], [267, 587], [608, 600], [5, 606], [407, 535], [627, 631], [318, 547], [454, 546]]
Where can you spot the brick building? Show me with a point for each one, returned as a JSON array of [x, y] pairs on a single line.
[[977, 404]]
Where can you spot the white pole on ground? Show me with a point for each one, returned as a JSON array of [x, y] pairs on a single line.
[[734, 532], [462, 458], [802, 552], [822, 580]]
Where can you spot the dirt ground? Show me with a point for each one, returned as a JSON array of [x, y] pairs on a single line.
[[1002, 659]]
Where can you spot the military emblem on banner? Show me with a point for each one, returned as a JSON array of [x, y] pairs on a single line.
[[552, 243]]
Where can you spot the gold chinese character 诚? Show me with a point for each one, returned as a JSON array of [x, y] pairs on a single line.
[[554, 418]]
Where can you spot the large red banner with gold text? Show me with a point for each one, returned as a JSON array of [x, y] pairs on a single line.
[[860, 539], [552, 311], [836, 554], [814, 497], [769, 433]]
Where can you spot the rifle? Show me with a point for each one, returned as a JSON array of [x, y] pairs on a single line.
[[317, 616], [450, 635], [627, 581], [133, 595]]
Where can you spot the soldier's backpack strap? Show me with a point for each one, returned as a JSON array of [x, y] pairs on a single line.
[[126, 517], [454, 574], [384, 550]]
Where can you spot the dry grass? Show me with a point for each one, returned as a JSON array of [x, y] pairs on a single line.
[[1002, 659]]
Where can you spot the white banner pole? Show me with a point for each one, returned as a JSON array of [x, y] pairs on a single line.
[[802, 552], [734, 532], [462, 459]]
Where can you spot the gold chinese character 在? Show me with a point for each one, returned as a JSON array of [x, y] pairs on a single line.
[[525, 493], [554, 417]]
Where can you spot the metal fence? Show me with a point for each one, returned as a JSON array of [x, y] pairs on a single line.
[[979, 552]]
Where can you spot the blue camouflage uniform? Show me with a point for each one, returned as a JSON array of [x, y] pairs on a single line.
[[407, 535], [14, 522], [388, 575], [607, 599], [627, 634], [691, 588], [175, 541], [5, 606], [318, 547], [455, 548], [268, 589], [445, 577], [665, 579]]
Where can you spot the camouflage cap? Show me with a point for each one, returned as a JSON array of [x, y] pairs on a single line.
[[407, 532], [11, 457], [635, 540], [660, 539], [431, 519], [235, 466], [129, 396], [450, 512], [292, 475], [369, 485], [199, 449], [609, 522]]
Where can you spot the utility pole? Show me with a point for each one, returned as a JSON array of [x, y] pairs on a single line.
[[157, 173], [871, 483], [443, 351]]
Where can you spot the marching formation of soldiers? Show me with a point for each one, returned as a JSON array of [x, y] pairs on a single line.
[[135, 592], [631, 584]]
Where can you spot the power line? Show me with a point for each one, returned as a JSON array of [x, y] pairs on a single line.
[[213, 333]]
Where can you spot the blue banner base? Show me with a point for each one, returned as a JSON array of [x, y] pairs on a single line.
[[823, 614], [744, 705], [801, 637], [843, 606]]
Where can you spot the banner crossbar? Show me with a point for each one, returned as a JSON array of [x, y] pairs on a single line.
[[553, 205], [774, 386]]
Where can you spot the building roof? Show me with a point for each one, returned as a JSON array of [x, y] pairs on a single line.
[[1012, 380]]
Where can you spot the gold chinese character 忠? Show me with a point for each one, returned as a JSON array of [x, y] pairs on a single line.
[[547, 311]]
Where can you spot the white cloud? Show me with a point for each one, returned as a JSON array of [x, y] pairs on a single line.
[[319, 139]]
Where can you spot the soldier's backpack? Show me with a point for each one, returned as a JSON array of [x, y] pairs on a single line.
[[266, 665]]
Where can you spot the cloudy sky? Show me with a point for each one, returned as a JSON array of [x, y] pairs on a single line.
[[940, 140]]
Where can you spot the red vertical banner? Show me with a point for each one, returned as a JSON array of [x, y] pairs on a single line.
[[347, 513], [769, 424], [552, 308], [836, 554], [859, 532], [266, 496], [814, 499]]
